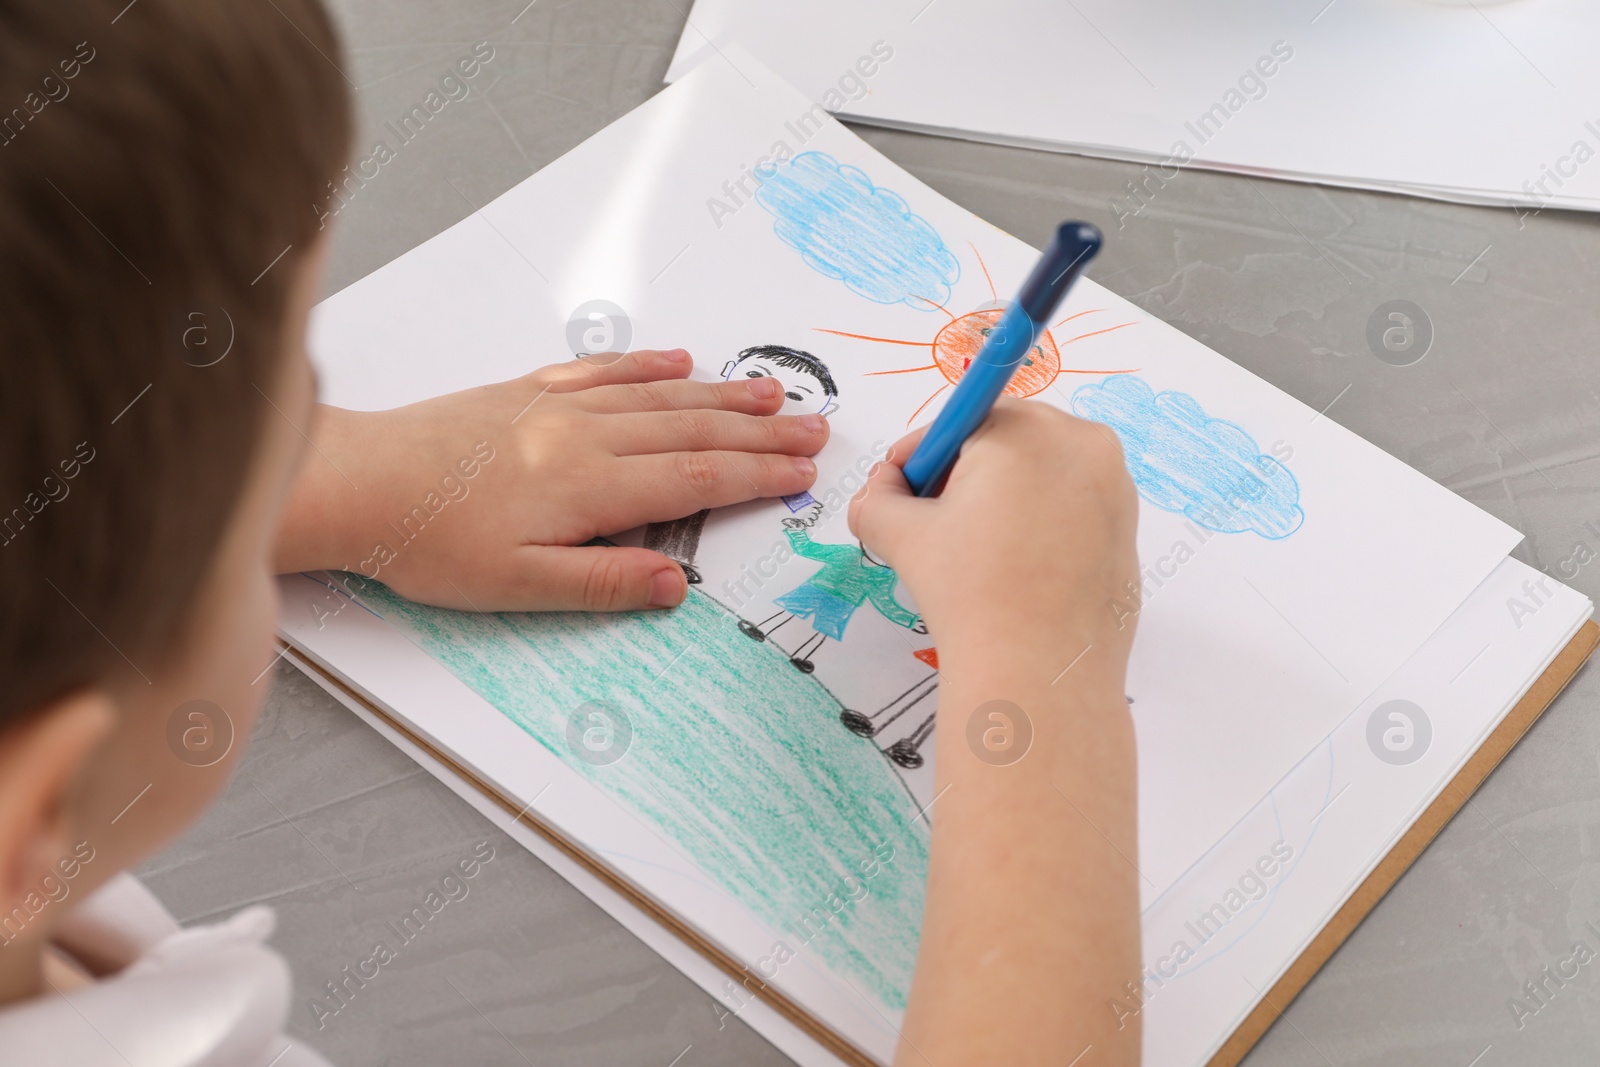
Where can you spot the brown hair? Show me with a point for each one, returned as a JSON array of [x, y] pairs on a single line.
[[158, 163]]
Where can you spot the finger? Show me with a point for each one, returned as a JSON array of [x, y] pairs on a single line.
[[698, 429], [673, 484], [1011, 434], [901, 450], [1011, 419], [884, 507], [614, 368], [884, 502], [590, 578], [753, 396]]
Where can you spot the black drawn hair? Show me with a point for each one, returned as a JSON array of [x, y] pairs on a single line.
[[794, 359]]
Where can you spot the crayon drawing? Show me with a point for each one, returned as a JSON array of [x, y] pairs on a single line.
[[960, 340], [731, 756], [847, 228], [808, 388], [850, 576], [1184, 461], [907, 751], [679, 541]]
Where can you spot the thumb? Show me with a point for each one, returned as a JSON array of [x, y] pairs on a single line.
[[592, 578]]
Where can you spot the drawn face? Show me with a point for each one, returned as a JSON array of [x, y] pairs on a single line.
[[803, 394], [961, 340], [959, 343]]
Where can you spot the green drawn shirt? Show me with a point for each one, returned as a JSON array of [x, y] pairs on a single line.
[[845, 576]]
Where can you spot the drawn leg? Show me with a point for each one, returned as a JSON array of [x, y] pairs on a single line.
[[757, 631], [678, 540], [871, 726], [800, 660], [906, 751]]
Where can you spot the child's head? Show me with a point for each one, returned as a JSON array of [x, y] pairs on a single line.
[[159, 163], [807, 385]]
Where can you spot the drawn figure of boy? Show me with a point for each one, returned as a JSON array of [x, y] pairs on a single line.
[[808, 388], [850, 576]]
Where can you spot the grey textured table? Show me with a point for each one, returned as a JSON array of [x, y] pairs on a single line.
[[341, 832]]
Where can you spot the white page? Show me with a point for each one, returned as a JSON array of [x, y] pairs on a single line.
[[1338, 814], [1369, 93], [1313, 622]]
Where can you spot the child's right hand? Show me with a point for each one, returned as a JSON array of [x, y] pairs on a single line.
[[1031, 916], [1026, 548]]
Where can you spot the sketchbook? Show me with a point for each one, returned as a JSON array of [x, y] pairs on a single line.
[[1252, 941], [753, 769], [1398, 97]]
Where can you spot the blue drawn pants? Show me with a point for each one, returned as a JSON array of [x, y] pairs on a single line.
[[829, 614]]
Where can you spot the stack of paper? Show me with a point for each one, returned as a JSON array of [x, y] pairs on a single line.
[[1484, 103], [776, 816]]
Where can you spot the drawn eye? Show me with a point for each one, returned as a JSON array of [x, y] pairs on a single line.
[[984, 331], [793, 395], [754, 374]]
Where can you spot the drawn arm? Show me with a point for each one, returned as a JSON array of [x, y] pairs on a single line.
[[883, 599], [801, 542]]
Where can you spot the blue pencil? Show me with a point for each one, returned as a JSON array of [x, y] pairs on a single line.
[[1011, 339]]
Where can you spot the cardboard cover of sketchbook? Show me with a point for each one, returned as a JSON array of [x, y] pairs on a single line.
[[753, 770]]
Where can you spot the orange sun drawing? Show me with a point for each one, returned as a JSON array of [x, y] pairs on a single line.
[[958, 343]]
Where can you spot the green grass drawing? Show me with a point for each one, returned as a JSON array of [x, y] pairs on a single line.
[[736, 759]]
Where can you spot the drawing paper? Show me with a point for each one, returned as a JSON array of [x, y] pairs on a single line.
[[1489, 103], [1235, 923], [777, 727]]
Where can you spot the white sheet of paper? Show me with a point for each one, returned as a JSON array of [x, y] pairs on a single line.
[[1230, 928], [1372, 94], [1278, 592]]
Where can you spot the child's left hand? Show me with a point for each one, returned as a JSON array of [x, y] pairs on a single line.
[[476, 500]]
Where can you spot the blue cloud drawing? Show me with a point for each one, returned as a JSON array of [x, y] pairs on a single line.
[[847, 228], [1184, 461]]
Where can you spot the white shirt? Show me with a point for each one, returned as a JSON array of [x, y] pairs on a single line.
[[207, 996]]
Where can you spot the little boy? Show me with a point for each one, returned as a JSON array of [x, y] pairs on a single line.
[[165, 160]]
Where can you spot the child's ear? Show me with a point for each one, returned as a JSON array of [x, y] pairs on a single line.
[[727, 368], [830, 407], [40, 758]]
